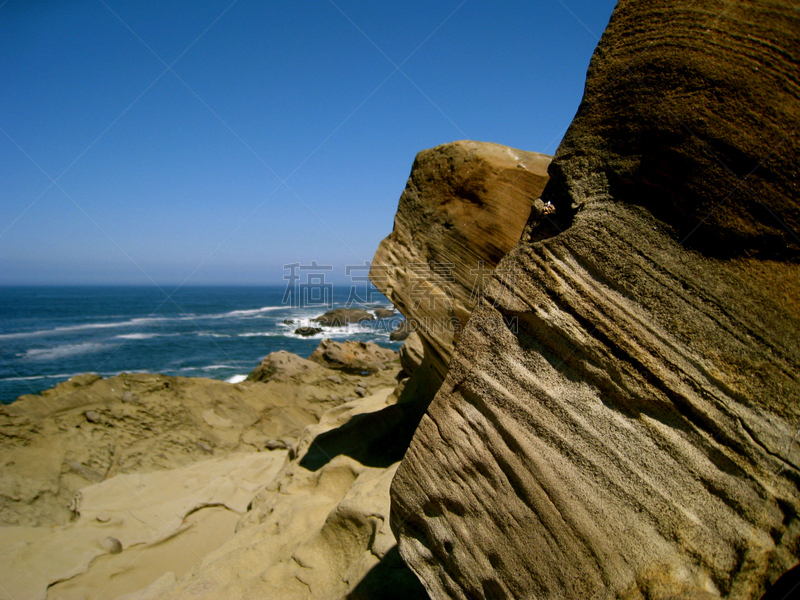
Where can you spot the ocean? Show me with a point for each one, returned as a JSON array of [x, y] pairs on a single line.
[[49, 334]]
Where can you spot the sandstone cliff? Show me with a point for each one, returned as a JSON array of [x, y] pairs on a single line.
[[463, 208], [620, 417]]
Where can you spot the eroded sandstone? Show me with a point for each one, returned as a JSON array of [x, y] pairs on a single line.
[[464, 207], [129, 485], [620, 416]]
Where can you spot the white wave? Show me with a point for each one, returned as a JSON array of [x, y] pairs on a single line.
[[259, 334], [60, 376], [137, 322], [216, 335], [353, 330], [84, 327], [138, 336], [236, 379], [244, 313], [215, 367], [63, 351]]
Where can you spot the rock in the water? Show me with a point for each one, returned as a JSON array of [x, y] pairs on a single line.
[[463, 208], [385, 313], [339, 317], [353, 357], [308, 331], [620, 416]]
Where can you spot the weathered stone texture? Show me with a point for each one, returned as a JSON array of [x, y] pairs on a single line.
[[620, 417], [464, 207]]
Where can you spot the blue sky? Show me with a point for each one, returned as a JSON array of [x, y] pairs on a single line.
[[214, 142]]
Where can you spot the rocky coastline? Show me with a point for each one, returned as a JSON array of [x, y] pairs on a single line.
[[127, 484], [597, 395]]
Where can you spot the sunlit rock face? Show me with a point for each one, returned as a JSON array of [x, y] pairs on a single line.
[[465, 205], [620, 415]]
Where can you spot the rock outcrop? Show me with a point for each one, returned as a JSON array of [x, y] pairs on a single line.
[[89, 429], [464, 207], [281, 365], [114, 485], [359, 358], [308, 331], [339, 317], [401, 332], [620, 417]]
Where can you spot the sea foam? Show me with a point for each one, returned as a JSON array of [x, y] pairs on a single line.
[[63, 351]]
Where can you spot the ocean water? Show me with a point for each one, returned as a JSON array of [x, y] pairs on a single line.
[[49, 334]]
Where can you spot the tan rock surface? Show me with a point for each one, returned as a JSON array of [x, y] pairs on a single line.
[[320, 533], [620, 416], [464, 207], [158, 471], [412, 353], [281, 365], [49, 448], [358, 358], [161, 521]]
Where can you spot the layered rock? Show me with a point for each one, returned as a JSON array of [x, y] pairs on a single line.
[[695, 119], [464, 207], [412, 353], [620, 417]]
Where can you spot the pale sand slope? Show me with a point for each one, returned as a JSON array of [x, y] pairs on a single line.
[[165, 520], [320, 534]]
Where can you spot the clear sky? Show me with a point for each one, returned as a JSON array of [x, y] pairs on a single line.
[[215, 141]]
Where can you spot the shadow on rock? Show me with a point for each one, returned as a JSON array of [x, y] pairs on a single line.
[[787, 586], [381, 438], [390, 579], [377, 439]]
